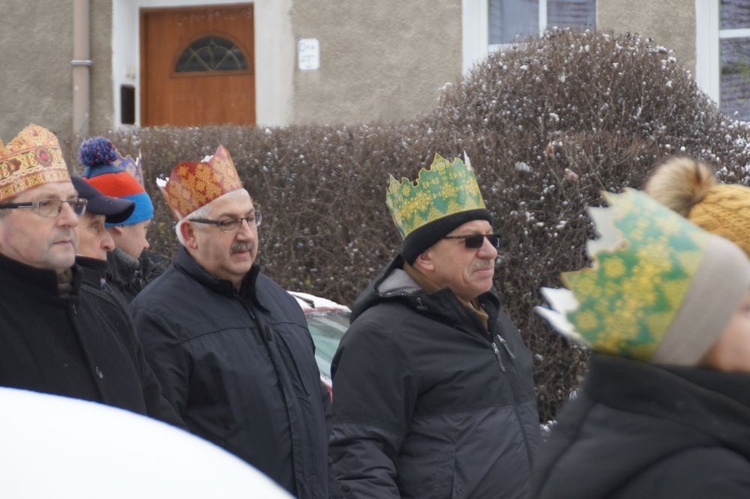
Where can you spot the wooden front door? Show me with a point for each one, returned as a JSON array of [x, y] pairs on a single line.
[[197, 66]]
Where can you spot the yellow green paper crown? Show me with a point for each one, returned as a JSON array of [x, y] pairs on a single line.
[[443, 189], [643, 266]]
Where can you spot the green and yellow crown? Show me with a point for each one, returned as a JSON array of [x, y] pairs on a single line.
[[443, 189], [643, 265]]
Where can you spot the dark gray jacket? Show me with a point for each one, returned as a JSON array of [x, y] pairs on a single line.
[[639, 431], [426, 402], [128, 275], [240, 369]]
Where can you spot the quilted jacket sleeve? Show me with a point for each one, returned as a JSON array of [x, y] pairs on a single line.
[[374, 397], [167, 360]]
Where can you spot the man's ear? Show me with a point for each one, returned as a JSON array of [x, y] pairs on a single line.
[[188, 235], [424, 262], [116, 230]]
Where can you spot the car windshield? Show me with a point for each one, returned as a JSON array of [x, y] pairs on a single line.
[[326, 329]]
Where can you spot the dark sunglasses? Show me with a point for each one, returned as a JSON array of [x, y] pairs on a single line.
[[475, 241]]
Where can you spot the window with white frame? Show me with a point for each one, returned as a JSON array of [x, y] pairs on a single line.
[[734, 56], [722, 62], [488, 25], [509, 20]]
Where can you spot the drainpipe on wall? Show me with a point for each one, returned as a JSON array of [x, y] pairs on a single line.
[[81, 68]]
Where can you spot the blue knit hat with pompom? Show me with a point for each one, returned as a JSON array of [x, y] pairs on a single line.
[[97, 155]]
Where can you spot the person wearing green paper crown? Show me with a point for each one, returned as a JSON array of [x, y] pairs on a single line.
[[433, 389], [665, 409]]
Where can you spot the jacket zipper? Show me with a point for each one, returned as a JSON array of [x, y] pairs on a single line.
[[505, 345], [499, 359]]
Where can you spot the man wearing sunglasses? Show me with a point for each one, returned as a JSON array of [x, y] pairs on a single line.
[[56, 335], [433, 388], [230, 346]]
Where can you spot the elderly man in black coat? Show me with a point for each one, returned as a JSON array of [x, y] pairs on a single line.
[[229, 345], [58, 337], [434, 395]]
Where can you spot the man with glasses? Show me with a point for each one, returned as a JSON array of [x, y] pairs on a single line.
[[433, 388], [55, 335], [230, 346]]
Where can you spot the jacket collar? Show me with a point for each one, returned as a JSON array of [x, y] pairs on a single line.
[[94, 271], [688, 396], [394, 284], [185, 262], [28, 279]]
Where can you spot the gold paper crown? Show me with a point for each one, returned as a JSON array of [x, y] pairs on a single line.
[[443, 189], [192, 185], [643, 266], [31, 159]]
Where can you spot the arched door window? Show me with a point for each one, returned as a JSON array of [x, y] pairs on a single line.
[[211, 53]]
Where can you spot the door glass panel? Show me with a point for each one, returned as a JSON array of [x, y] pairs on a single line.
[[211, 53]]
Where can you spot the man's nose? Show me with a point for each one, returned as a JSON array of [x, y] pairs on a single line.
[[67, 217], [108, 244]]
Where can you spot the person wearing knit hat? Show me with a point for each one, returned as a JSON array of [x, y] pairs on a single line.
[[131, 265], [94, 240], [229, 345], [433, 387], [689, 187], [665, 309], [58, 335], [98, 155]]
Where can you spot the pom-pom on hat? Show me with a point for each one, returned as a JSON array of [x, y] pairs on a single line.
[[690, 188], [444, 197], [99, 158], [192, 185], [30, 159], [660, 289]]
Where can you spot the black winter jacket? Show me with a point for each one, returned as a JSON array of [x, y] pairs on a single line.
[[74, 344], [129, 276], [240, 369], [95, 287], [427, 403], [641, 431]]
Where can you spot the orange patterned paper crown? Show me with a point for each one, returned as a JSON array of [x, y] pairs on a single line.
[[192, 185], [31, 159]]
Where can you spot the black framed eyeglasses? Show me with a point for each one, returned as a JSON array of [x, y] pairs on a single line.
[[475, 241], [231, 224], [49, 208]]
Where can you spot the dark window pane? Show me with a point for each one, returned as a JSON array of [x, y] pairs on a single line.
[[571, 13], [734, 14], [211, 53], [510, 18], [735, 77], [127, 104]]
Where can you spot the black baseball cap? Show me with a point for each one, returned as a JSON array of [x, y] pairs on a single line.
[[115, 210]]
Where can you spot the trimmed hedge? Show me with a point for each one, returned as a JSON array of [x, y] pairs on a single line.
[[547, 125]]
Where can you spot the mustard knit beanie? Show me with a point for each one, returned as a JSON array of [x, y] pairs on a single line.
[[690, 188]]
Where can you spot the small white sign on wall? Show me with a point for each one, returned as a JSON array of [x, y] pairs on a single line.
[[308, 54]]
